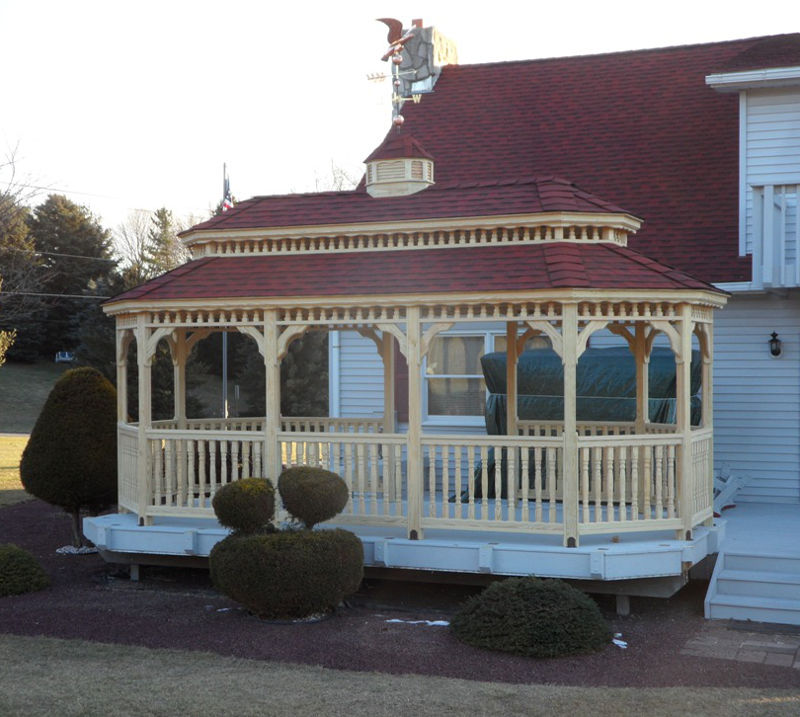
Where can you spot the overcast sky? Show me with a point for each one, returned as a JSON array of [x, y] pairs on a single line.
[[136, 105]]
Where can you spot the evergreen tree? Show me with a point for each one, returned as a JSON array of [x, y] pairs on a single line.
[[304, 377], [164, 250], [71, 457], [76, 254], [21, 275]]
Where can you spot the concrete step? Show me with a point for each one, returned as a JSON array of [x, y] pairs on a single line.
[[757, 609]]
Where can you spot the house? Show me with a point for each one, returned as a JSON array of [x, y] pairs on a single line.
[[609, 200]]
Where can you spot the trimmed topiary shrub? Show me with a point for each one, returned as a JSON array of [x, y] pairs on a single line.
[[19, 571], [532, 617], [245, 506], [71, 457], [312, 495], [289, 574]]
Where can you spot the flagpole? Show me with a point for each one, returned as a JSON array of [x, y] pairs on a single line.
[[224, 333]]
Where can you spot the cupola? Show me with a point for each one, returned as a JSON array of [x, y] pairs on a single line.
[[400, 166]]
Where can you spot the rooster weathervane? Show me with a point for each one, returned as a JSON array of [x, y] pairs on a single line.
[[397, 40]]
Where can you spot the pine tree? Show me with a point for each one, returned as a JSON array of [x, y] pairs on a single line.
[[76, 253]]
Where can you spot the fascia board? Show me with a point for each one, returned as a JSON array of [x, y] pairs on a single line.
[[711, 298], [627, 222], [772, 77]]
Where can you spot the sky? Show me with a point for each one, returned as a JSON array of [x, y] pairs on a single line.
[[137, 105]]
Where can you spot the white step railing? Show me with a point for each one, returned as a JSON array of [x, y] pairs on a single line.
[[775, 236]]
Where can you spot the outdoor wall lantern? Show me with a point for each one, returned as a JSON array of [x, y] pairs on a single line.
[[775, 347]]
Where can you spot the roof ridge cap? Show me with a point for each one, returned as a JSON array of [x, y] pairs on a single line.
[[612, 53]]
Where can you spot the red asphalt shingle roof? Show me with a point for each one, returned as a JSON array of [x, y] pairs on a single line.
[[519, 195], [638, 128], [398, 145], [489, 268]]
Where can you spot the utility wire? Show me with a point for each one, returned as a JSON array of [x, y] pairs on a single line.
[[52, 253], [61, 296]]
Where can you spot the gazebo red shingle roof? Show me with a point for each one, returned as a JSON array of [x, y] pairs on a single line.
[[488, 268]]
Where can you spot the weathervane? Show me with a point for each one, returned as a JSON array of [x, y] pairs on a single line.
[[397, 40]]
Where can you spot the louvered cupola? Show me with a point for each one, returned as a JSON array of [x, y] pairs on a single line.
[[398, 167]]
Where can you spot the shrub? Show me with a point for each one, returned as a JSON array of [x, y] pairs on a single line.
[[289, 574], [312, 495], [245, 506], [71, 457], [532, 617], [19, 571]]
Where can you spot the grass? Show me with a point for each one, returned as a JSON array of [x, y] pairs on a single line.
[[11, 490], [46, 676], [23, 390]]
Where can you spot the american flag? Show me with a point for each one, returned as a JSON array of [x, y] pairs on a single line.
[[227, 200]]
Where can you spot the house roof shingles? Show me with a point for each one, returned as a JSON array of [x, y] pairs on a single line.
[[639, 128]]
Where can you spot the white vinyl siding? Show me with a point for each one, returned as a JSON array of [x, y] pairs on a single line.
[[757, 397], [771, 136], [360, 376]]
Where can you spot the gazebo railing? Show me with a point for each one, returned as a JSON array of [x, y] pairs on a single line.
[[625, 482]]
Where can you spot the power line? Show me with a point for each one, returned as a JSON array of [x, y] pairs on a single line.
[[61, 296], [52, 253]]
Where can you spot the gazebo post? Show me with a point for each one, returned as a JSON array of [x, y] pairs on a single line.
[[642, 358], [683, 420], [144, 363], [511, 378], [387, 354], [179, 356], [272, 419], [707, 398], [122, 375], [414, 468], [569, 335]]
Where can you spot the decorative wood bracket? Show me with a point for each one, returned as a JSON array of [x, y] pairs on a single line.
[[398, 333], [556, 340], [671, 333], [124, 340], [254, 334], [590, 328], [289, 334], [432, 332]]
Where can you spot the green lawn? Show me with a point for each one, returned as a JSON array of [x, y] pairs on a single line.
[[11, 490], [23, 390]]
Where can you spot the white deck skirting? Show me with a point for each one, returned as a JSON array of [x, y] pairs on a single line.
[[599, 557]]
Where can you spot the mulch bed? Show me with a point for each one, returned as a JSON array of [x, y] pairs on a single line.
[[178, 608]]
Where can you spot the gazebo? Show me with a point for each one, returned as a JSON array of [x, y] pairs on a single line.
[[538, 256]]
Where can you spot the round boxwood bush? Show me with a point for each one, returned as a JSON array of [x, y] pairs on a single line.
[[532, 617], [71, 457], [312, 495], [246, 505], [19, 571], [288, 574]]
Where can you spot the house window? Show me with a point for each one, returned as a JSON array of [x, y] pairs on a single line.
[[453, 377]]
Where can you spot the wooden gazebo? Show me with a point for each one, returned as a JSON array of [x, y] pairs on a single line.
[[538, 256]]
